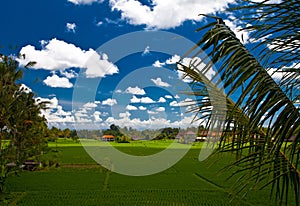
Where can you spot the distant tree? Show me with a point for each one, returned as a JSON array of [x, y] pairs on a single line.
[[67, 133], [116, 131], [167, 133], [74, 135]]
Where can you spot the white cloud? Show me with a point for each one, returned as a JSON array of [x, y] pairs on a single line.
[[55, 114], [278, 74], [160, 109], [90, 105], [59, 55], [134, 99], [162, 100], [71, 27], [165, 14], [56, 81], [242, 35], [168, 96], [130, 107], [135, 90], [124, 115], [97, 116], [158, 64], [174, 104], [173, 60], [142, 108], [69, 74], [78, 2], [145, 100], [118, 91], [99, 23], [151, 123], [109, 102], [199, 65], [152, 112], [158, 82], [110, 21], [146, 51]]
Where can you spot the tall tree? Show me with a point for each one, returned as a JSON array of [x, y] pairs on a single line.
[[264, 112], [22, 127]]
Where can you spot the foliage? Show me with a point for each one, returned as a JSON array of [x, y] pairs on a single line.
[[264, 112], [115, 130], [167, 133], [22, 126]]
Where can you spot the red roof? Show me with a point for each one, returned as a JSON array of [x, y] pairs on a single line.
[[107, 136]]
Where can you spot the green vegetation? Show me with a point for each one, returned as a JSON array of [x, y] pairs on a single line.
[[22, 127], [81, 181], [260, 111]]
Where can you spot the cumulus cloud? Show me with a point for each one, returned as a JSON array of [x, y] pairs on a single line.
[[59, 55], [130, 107], [160, 109], [69, 74], [84, 117], [142, 108], [158, 64], [173, 60], [165, 14], [56, 81], [135, 90], [55, 114], [174, 104], [151, 123], [145, 100], [97, 117], [78, 2], [90, 105], [109, 102], [158, 82], [71, 27], [162, 100]]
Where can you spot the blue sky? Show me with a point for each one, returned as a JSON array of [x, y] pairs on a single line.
[[86, 86]]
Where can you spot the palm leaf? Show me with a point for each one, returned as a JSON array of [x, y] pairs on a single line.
[[262, 103]]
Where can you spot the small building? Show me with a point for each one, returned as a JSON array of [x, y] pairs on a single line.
[[200, 139], [108, 138], [190, 136]]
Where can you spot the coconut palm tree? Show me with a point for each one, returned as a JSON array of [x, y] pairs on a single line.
[[261, 113]]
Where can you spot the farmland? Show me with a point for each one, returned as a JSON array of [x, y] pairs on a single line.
[[81, 181]]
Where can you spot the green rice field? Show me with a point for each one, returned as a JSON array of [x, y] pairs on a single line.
[[81, 181]]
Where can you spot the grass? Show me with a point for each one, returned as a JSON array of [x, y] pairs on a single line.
[[189, 182]]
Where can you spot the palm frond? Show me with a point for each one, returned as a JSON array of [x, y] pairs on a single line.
[[261, 117]]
